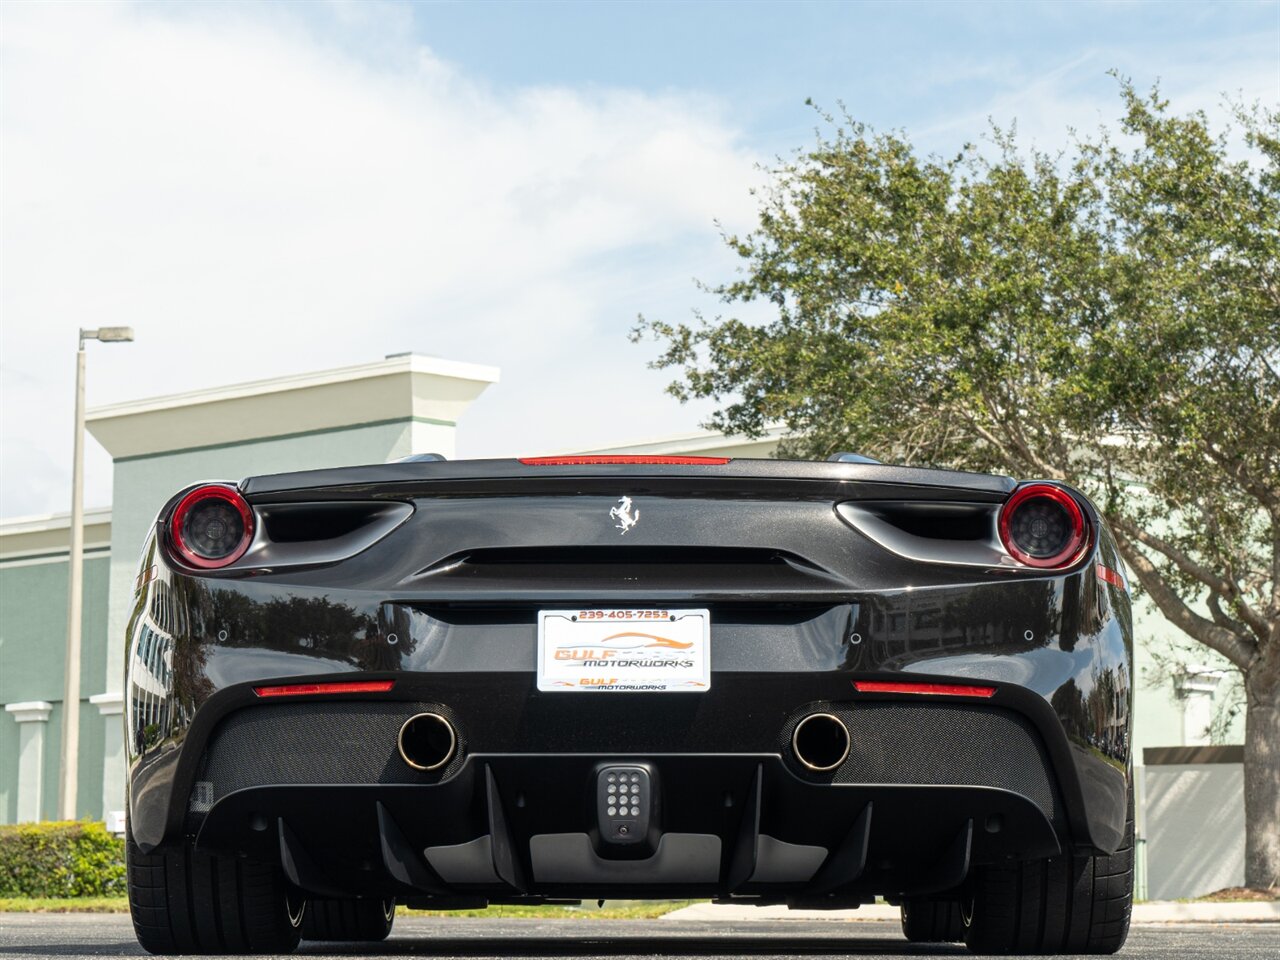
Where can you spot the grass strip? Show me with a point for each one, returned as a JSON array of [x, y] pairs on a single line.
[[619, 910], [623, 910], [64, 905]]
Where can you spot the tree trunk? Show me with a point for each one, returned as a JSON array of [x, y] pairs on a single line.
[[1262, 773]]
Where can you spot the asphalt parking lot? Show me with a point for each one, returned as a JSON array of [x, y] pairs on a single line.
[[85, 935]]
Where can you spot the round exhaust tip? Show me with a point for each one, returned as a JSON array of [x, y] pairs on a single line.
[[821, 741], [427, 741]]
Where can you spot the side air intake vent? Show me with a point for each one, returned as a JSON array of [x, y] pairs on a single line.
[[937, 521], [302, 522], [297, 534], [963, 534]]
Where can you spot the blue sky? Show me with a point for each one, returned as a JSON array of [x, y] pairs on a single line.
[[263, 189], [911, 65]]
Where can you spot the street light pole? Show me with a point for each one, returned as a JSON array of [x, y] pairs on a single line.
[[75, 576], [75, 579]]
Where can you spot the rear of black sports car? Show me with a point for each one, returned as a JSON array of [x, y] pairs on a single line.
[[448, 684]]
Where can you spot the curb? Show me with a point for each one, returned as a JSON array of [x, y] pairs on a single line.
[[1245, 911], [1152, 912], [735, 912]]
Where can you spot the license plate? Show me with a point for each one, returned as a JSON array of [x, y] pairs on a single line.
[[666, 651]]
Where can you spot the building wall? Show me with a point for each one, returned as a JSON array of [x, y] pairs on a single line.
[[1161, 717], [33, 637]]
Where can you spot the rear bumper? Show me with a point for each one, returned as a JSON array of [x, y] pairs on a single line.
[[931, 786], [211, 761]]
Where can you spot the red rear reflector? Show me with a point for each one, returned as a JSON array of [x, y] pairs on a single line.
[[940, 689], [305, 689], [1107, 575], [620, 458]]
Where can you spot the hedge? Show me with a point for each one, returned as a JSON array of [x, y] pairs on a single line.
[[76, 858]]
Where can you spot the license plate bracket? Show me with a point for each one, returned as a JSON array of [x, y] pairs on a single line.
[[624, 650]]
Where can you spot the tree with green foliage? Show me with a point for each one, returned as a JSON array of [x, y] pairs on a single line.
[[1109, 317]]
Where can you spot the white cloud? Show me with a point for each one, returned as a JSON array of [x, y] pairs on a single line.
[[1073, 92], [256, 199], [265, 189]]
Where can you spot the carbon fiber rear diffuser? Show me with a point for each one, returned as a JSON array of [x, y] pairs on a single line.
[[518, 827]]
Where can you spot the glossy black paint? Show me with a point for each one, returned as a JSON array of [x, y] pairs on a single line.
[[445, 604], [492, 476]]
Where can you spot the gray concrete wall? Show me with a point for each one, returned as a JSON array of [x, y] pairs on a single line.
[[1195, 828]]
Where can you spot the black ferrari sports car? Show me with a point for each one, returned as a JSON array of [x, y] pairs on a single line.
[[449, 684]]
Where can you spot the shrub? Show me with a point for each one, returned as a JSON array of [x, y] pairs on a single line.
[[75, 858]]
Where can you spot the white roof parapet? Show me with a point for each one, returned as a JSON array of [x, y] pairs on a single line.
[[50, 533], [400, 387], [39, 523]]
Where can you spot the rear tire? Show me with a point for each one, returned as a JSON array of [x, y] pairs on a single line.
[[182, 901], [1063, 905], [355, 919], [932, 921]]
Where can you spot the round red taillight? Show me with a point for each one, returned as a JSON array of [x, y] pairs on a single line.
[[1043, 526], [211, 526]]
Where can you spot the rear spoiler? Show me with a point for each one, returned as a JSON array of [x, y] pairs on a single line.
[[436, 476]]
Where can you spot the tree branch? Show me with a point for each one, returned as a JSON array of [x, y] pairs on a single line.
[[1021, 448], [991, 438], [1240, 650], [1268, 496], [1226, 588], [1178, 557], [1220, 616]]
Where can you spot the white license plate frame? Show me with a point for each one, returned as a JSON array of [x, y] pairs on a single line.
[[624, 650]]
